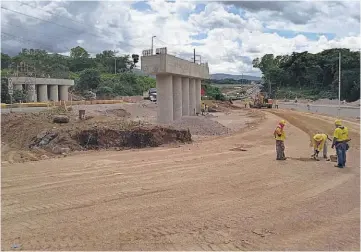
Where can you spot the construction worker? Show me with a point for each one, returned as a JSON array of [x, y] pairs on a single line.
[[203, 108], [340, 140], [319, 142], [280, 137]]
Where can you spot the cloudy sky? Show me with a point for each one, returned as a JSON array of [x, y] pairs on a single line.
[[228, 34]]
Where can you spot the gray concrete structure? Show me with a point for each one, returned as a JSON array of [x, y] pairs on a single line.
[[63, 92], [192, 97], [43, 89], [165, 98], [178, 84], [31, 91], [43, 93], [177, 97], [18, 87], [185, 96], [54, 93], [198, 95]]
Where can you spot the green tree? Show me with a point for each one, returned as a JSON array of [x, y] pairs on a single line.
[[5, 61], [89, 79], [78, 52]]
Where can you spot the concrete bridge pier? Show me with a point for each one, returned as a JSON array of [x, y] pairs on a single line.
[[178, 84], [54, 93], [43, 93], [63, 92], [185, 96], [177, 97], [165, 98], [197, 92], [192, 97]]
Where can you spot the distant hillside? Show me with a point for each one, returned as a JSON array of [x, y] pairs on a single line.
[[217, 76], [221, 76]]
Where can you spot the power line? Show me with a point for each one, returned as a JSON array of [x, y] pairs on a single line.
[[31, 41], [54, 37]]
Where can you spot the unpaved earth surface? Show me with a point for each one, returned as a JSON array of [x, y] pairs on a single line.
[[202, 196]]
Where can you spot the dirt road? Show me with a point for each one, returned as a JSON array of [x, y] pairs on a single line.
[[203, 196]]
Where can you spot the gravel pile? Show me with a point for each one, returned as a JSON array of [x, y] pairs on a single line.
[[199, 125]]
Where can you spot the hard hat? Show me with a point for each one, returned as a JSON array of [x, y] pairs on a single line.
[[283, 122], [318, 137], [338, 122]]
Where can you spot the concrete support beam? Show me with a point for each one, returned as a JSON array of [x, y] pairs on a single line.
[[192, 97], [165, 98], [18, 87], [177, 97], [43, 93], [63, 92], [198, 95], [54, 94], [185, 96], [31, 93]]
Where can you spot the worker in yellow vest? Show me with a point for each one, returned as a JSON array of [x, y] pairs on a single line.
[[203, 108], [340, 140], [319, 142], [280, 137]]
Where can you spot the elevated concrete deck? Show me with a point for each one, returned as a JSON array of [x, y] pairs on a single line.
[[42, 81], [169, 64]]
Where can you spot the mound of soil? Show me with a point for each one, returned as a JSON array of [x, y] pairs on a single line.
[[34, 136], [104, 138]]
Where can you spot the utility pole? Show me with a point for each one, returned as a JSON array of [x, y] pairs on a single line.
[[194, 55], [153, 43], [339, 83]]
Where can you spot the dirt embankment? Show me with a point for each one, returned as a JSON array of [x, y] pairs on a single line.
[[34, 136]]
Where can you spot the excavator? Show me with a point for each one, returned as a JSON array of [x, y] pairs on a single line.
[[261, 100]]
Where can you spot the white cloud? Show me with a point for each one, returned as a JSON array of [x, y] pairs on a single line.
[[232, 40]]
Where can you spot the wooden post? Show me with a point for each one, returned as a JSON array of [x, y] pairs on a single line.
[[82, 114]]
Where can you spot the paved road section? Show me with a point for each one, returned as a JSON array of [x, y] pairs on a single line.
[[331, 110], [202, 196]]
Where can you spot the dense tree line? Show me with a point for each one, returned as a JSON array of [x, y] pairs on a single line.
[[230, 81], [312, 75], [105, 74]]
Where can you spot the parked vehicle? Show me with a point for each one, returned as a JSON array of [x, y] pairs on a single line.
[[152, 94]]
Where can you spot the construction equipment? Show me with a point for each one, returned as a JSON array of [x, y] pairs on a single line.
[[261, 100]]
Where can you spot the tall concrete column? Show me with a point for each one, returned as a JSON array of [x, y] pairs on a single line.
[[54, 94], [177, 97], [43, 93], [63, 92], [198, 95], [165, 98], [18, 87], [192, 96], [31, 92], [185, 96]]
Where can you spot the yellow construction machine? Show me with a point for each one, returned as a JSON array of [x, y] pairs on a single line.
[[261, 101]]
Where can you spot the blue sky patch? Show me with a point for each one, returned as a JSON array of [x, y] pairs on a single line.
[[199, 8], [197, 44], [141, 6], [292, 34], [199, 36]]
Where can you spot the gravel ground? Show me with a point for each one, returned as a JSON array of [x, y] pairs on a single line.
[[199, 125]]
